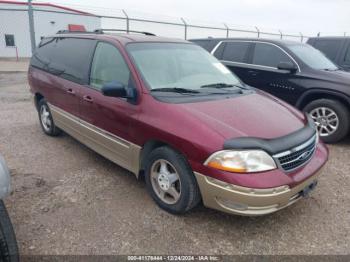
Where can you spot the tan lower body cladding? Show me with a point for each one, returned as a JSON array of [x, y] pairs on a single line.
[[118, 150]]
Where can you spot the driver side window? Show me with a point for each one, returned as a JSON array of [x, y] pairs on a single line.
[[108, 65], [269, 55]]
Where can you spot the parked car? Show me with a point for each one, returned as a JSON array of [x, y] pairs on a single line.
[[168, 110], [8, 243], [294, 72], [337, 49]]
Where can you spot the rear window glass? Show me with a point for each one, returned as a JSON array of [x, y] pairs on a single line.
[[66, 57], [235, 51], [328, 47]]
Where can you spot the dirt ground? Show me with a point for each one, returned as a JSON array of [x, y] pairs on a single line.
[[69, 200], [12, 65]]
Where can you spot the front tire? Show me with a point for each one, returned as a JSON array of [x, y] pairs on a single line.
[[46, 121], [332, 119], [170, 181], [8, 243]]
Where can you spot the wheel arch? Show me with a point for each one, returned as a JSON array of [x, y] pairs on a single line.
[[147, 148], [37, 97], [316, 94]]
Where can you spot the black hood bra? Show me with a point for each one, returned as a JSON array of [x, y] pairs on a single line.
[[276, 145]]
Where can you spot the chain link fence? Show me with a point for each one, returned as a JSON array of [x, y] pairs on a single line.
[[48, 19], [189, 28]]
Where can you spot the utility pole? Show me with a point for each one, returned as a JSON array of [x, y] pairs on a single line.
[[31, 25]]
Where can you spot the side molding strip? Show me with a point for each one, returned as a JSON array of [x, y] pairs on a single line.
[[112, 147]]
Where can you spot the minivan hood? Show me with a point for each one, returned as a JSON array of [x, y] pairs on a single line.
[[254, 115]]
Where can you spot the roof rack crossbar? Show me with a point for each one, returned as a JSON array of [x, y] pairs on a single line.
[[101, 31]]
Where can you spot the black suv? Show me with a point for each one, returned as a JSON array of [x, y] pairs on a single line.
[[294, 72], [336, 49]]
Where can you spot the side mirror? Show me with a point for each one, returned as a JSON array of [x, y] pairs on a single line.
[[114, 89], [288, 66]]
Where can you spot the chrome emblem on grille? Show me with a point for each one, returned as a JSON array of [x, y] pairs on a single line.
[[298, 156], [304, 155]]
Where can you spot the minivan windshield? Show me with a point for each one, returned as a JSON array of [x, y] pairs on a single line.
[[312, 57], [180, 67]]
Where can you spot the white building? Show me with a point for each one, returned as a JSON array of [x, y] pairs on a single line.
[[48, 19]]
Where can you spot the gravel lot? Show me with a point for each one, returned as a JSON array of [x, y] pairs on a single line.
[[69, 200]]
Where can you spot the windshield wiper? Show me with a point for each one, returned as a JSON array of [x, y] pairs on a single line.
[[331, 69], [56, 72], [219, 85], [178, 90]]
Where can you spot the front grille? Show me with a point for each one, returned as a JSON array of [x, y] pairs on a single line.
[[298, 156]]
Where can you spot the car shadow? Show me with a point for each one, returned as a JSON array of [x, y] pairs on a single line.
[[200, 214], [346, 141]]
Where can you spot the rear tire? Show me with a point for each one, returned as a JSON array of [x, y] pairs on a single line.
[[46, 121], [332, 119], [170, 181]]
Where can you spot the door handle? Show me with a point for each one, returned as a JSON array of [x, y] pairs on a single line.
[[70, 91], [253, 73], [88, 98]]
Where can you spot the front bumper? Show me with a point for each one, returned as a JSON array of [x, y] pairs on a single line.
[[245, 201]]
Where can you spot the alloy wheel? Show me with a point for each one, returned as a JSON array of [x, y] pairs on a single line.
[[45, 118], [165, 181], [326, 120]]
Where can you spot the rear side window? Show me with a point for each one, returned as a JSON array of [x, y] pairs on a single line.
[[328, 47], [219, 51], [202, 43], [68, 58], [206, 44], [42, 56], [235, 51], [269, 55], [108, 65], [347, 56]]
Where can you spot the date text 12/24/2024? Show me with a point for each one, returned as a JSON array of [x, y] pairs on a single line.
[[174, 258]]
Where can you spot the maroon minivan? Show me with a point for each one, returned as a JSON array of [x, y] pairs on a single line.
[[167, 110]]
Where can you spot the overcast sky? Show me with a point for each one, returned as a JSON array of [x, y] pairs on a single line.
[[307, 16]]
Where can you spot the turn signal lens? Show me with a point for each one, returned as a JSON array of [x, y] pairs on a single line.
[[218, 165], [247, 161]]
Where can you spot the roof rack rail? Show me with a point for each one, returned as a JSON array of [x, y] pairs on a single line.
[[73, 32], [101, 31]]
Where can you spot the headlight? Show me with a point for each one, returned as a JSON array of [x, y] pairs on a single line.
[[246, 161]]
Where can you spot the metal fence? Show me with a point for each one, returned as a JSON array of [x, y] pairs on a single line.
[[185, 28]]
